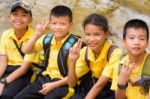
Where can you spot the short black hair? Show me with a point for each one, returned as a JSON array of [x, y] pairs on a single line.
[[61, 10], [98, 20], [136, 23]]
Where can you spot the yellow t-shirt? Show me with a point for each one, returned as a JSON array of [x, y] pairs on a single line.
[[97, 65], [52, 69], [8, 47], [132, 92]]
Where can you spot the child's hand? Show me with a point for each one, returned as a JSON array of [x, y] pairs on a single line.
[[46, 88], [74, 51], [125, 72], [1, 88], [40, 28]]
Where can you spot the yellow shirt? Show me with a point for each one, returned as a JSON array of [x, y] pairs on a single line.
[[97, 65], [33, 57], [132, 92], [52, 69], [8, 47]]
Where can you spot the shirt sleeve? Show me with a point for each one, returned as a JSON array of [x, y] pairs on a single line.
[[33, 57], [39, 44], [81, 65], [114, 61], [3, 44]]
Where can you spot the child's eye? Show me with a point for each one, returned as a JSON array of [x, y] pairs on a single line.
[[15, 14], [24, 15], [142, 39], [131, 37], [97, 34], [62, 23], [53, 23], [87, 34]]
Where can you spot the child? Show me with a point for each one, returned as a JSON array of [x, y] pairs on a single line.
[[53, 82], [93, 60], [135, 41], [11, 56]]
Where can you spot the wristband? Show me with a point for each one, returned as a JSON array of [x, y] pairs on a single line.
[[3, 81], [122, 87]]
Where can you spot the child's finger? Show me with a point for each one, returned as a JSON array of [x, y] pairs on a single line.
[[45, 24], [79, 43], [132, 65]]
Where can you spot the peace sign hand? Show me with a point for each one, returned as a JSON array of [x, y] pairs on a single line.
[[125, 72], [40, 28], [74, 52]]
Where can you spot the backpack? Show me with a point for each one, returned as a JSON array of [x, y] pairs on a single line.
[[63, 52]]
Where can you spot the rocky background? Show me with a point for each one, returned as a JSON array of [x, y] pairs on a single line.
[[118, 13]]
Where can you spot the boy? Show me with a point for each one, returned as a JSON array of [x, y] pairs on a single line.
[[135, 40], [53, 82], [93, 60], [11, 56]]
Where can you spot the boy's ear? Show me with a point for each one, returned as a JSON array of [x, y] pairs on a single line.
[[147, 44], [30, 20], [71, 24], [107, 34]]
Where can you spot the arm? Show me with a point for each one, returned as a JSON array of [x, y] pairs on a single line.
[[73, 56], [16, 74], [19, 72], [3, 64], [38, 33], [123, 79], [46, 88], [97, 87], [30, 44]]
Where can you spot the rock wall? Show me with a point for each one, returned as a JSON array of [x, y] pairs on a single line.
[[117, 11]]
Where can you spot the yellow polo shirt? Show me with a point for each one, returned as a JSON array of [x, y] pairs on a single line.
[[8, 47], [33, 57], [132, 92], [98, 65], [52, 68]]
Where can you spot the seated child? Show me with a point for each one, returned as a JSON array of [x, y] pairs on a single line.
[[133, 67], [93, 62]]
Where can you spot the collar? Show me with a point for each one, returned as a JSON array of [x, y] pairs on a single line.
[[26, 36], [61, 42], [103, 53], [126, 58]]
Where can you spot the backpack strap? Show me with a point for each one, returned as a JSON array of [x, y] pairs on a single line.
[[46, 48], [110, 50], [146, 68], [86, 57], [19, 48], [64, 52]]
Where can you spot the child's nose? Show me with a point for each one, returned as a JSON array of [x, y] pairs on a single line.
[[137, 41], [92, 38], [18, 17], [58, 26]]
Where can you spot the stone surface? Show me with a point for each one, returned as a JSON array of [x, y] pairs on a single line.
[[117, 11]]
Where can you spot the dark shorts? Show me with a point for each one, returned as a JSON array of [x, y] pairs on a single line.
[[16, 86], [32, 90]]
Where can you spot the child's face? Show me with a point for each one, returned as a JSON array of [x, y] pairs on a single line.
[[94, 36], [135, 41], [60, 26], [20, 19]]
